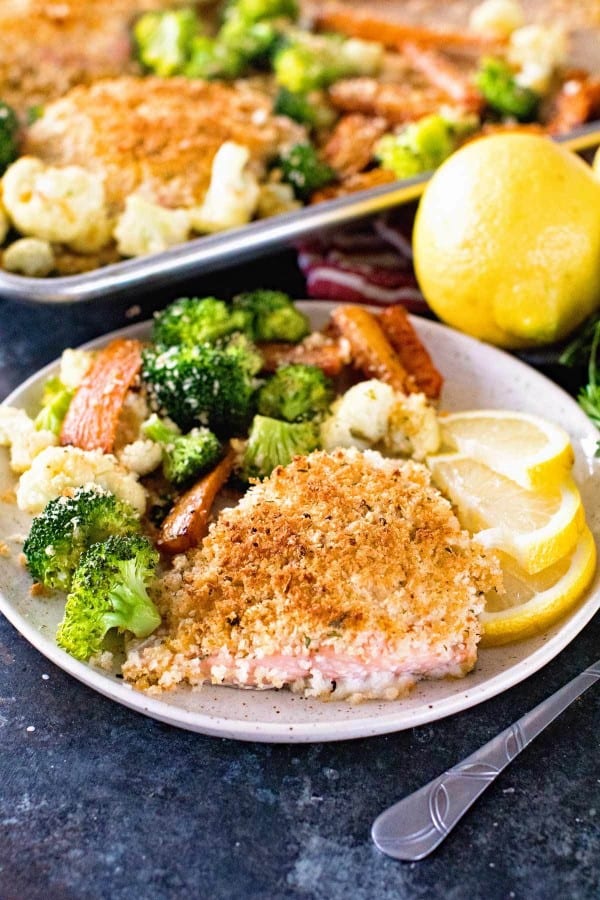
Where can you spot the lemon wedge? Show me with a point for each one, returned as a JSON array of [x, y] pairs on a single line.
[[536, 528], [533, 602], [527, 449]]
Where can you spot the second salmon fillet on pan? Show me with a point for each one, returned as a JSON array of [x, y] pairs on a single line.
[[159, 135], [342, 576]]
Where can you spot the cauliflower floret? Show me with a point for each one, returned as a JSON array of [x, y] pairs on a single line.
[[497, 18], [134, 412], [58, 469], [364, 57], [413, 421], [372, 415], [65, 205], [74, 366], [233, 192], [359, 418], [136, 407], [274, 199], [145, 227], [537, 50], [18, 432], [141, 456], [29, 256]]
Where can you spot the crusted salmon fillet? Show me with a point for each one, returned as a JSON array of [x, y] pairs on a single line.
[[47, 47], [159, 135], [342, 576]]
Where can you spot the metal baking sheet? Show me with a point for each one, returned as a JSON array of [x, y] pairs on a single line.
[[208, 254]]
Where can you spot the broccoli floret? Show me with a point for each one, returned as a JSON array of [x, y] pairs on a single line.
[[164, 40], [305, 62], [9, 136], [247, 36], [503, 93], [56, 400], [273, 316], [302, 168], [300, 68], [420, 147], [249, 11], [211, 58], [273, 443], [204, 384], [67, 527], [295, 393], [109, 591], [310, 109], [249, 42], [191, 320], [185, 456]]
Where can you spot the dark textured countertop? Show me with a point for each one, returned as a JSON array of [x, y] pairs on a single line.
[[97, 801]]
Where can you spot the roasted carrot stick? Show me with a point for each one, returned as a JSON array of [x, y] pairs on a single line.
[[413, 355], [354, 23], [328, 355], [396, 103], [444, 75], [351, 145], [371, 351], [93, 416], [187, 523]]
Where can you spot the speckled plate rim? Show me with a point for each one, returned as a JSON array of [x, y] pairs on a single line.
[[355, 726]]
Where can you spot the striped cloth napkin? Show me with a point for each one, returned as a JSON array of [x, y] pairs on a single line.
[[370, 263]]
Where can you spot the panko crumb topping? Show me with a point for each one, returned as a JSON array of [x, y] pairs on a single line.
[[341, 571]]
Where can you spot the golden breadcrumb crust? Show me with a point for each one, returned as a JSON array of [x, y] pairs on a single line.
[[158, 134], [345, 553]]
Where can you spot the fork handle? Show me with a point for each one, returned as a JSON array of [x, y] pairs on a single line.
[[410, 829]]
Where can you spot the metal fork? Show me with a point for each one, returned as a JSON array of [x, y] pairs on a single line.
[[414, 827]]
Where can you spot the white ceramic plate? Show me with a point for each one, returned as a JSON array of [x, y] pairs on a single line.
[[477, 376]]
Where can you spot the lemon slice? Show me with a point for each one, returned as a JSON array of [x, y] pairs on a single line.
[[536, 528], [525, 448], [533, 602]]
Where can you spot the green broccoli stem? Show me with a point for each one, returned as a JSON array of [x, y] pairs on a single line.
[[132, 608]]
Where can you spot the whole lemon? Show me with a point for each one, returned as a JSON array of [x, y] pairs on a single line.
[[507, 240]]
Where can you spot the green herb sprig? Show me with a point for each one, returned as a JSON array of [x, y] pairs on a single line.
[[585, 346]]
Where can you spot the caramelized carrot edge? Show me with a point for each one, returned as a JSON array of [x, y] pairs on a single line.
[[370, 349], [93, 416], [328, 356], [187, 522], [357, 24], [444, 75], [413, 354]]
